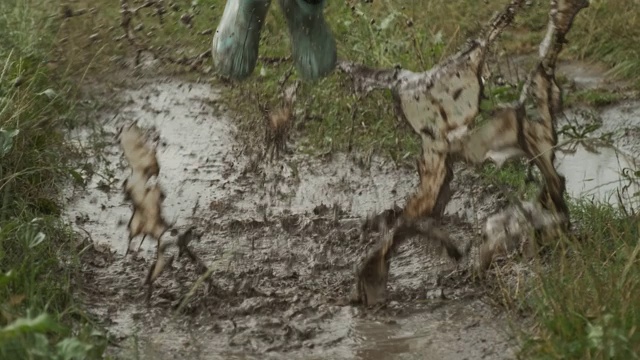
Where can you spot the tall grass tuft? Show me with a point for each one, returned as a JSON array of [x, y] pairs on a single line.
[[585, 301], [37, 251]]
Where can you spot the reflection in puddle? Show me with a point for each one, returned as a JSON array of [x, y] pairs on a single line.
[[434, 335], [597, 176], [380, 341], [457, 330]]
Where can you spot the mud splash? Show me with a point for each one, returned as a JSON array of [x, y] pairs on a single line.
[[281, 240], [195, 155], [594, 162]]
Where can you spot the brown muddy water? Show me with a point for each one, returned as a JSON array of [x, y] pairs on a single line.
[[282, 240]]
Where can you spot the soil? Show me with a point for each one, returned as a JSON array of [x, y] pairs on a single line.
[[281, 240]]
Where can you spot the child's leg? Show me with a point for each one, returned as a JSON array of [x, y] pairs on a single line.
[[313, 45], [235, 43]]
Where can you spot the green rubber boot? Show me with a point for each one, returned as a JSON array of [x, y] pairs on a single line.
[[235, 43], [313, 45]]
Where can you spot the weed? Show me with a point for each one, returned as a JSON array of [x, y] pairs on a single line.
[[37, 251], [594, 97], [585, 300], [514, 176]]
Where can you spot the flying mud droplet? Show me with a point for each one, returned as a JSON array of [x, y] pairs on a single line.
[[142, 159], [147, 198], [517, 230], [278, 122]]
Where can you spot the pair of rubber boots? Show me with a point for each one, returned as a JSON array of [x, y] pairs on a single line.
[[235, 43]]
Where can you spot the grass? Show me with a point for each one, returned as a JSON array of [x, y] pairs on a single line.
[[512, 175], [581, 297], [39, 263], [382, 33], [594, 97], [584, 304], [585, 301]]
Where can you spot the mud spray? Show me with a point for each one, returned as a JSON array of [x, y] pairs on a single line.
[[281, 246]]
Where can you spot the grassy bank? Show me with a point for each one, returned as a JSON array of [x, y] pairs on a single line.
[[582, 297], [585, 301], [39, 318]]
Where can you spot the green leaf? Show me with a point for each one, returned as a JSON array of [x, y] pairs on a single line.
[[72, 348], [387, 21], [39, 324], [40, 347], [6, 141], [595, 333], [76, 177], [5, 278], [37, 240], [49, 93]]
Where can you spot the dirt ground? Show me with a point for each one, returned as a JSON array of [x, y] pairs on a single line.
[[282, 240]]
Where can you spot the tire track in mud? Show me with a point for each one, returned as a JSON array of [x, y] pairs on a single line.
[[282, 254]]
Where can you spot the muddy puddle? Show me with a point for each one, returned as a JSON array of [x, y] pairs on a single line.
[[281, 240], [600, 153]]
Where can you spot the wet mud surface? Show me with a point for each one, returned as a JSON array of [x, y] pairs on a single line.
[[282, 240]]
